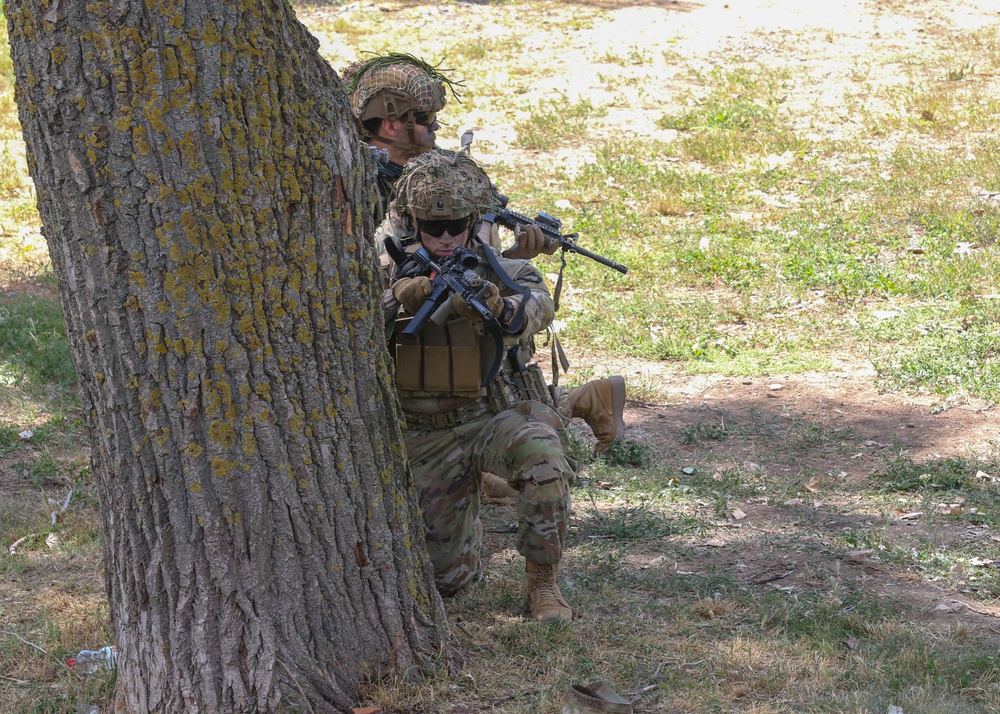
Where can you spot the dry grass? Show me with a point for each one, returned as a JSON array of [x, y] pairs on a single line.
[[765, 190]]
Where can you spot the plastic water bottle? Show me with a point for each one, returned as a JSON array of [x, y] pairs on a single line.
[[89, 661]]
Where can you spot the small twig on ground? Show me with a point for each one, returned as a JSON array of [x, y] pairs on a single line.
[[13, 546], [644, 690], [772, 578], [56, 514], [597, 510], [32, 644]]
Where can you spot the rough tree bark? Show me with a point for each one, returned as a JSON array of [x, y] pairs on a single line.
[[203, 193]]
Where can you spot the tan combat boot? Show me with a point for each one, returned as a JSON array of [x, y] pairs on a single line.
[[544, 599], [601, 404], [497, 490]]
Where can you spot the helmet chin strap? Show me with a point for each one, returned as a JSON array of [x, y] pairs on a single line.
[[411, 148]]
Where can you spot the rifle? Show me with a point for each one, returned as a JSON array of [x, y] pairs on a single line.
[[455, 274], [551, 227], [383, 165]]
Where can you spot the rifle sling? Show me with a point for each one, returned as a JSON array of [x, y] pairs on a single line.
[[518, 319], [495, 331]]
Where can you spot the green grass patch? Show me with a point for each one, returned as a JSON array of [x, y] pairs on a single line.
[[33, 343], [554, 122]]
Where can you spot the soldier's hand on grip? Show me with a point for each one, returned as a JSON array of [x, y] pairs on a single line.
[[412, 292], [490, 298], [530, 242]]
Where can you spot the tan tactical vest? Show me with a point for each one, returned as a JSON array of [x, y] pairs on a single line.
[[443, 361]]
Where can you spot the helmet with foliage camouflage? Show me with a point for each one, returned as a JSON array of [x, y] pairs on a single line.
[[394, 85], [443, 186]]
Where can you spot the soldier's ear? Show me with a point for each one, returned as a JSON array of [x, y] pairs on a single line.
[[390, 128]]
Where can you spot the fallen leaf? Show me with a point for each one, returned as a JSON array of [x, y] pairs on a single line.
[[813, 485], [953, 606]]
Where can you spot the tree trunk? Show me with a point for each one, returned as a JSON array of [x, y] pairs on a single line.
[[204, 196]]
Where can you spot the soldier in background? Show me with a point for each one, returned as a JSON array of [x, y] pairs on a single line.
[[396, 98]]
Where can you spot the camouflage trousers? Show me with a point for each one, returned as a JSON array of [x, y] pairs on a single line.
[[560, 395], [520, 444]]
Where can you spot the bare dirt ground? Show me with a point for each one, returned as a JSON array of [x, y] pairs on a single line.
[[824, 45]]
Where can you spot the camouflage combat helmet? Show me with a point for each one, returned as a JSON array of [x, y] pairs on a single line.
[[443, 186], [395, 86]]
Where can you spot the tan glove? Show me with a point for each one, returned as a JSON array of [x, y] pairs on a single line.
[[491, 299], [412, 292], [530, 242]]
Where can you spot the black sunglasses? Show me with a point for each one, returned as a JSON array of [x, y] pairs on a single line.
[[436, 229], [425, 118]]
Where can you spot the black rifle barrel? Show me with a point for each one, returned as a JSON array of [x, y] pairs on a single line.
[[511, 219]]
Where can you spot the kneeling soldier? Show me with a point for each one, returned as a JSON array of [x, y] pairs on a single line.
[[465, 412]]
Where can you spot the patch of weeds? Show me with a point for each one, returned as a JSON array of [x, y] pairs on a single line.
[[738, 118], [12, 177], [701, 432], [578, 449], [40, 471], [553, 122], [58, 429], [625, 452], [33, 342], [725, 485], [478, 49], [947, 474], [947, 361], [638, 55], [630, 522], [956, 74]]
